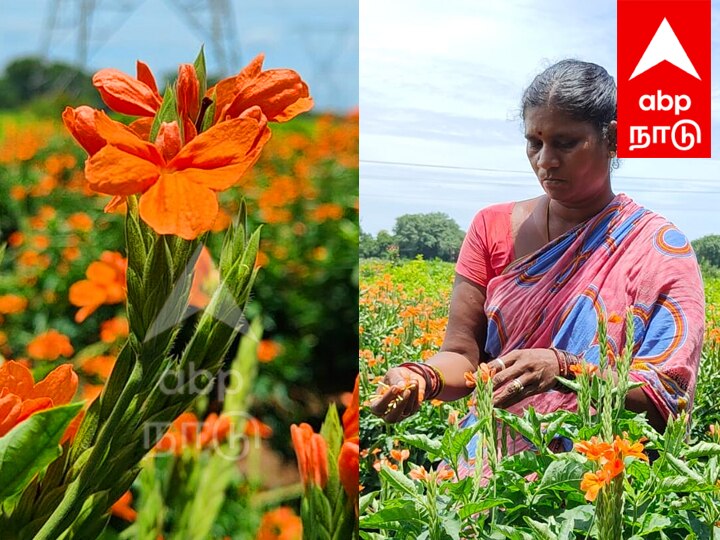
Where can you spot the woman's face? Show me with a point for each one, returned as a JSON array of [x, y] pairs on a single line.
[[570, 158]]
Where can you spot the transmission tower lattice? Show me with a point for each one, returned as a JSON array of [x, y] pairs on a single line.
[[91, 24]]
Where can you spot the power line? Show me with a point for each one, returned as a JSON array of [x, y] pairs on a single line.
[[523, 172]]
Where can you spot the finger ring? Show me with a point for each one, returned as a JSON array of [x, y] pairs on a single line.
[[516, 387], [502, 364]]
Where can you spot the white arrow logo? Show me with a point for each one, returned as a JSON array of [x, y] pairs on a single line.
[[665, 46]]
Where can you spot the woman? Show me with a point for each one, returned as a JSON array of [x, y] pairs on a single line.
[[533, 277]]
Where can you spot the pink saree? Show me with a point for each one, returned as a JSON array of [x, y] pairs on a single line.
[[624, 256]]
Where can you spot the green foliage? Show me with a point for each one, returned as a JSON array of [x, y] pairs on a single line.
[[536, 493], [433, 235], [27, 79], [707, 249]]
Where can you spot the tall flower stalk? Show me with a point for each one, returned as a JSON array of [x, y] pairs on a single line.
[[167, 167]]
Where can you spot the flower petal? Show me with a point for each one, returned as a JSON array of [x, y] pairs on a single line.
[[168, 140], [30, 406], [280, 93], [16, 378], [175, 206], [10, 408], [219, 157], [144, 75], [80, 122], [125, 94], [188, 92], [115, 172], [59, 385], [126, 139]]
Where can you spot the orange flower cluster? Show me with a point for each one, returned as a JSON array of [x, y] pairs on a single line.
[[113, 329], [178, 174], [584, 368], [50, 345], [183, 433], [419, 473], [20, 396], [21, 142], [105, 284], [484, 373], [611, 457]]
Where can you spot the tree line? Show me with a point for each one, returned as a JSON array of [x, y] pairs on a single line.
[[433, 236], [436, 235]]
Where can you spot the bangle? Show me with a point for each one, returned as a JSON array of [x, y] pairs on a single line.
[[434, 380], [565, 360]]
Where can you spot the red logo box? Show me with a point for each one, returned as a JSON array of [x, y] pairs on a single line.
[[663, 78]]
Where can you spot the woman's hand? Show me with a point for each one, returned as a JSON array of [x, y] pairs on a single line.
[[523, 373], [400, 394]]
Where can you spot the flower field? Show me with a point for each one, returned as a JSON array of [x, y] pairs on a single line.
[[620, 480], [89, 307]]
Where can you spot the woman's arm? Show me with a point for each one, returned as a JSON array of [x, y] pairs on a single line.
[[462, 348]]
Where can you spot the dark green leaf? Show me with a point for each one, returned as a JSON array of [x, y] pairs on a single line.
[[31, 445]]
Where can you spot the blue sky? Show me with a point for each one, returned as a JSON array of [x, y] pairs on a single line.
[[440, 88], [317, 38]]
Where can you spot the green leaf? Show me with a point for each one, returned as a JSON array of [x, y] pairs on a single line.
[[331, 430], [519, 424], [541, 530], [470, 509], [679, 483], [201, 71], [167, 113], [394, 512], [398, 480], [31, 445], [683, 468], [563, 474], [209, 117], [702, 449], [423, 442], [653, 522], [452, 527]]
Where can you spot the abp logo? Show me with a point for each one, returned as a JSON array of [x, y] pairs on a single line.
[[663, 78]]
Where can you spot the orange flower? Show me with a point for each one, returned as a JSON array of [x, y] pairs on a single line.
[[105, 285], [122, 509], [624, 449], [267, 350], [215, 430], [596, 450], [400, 455], [485, 372], [101, 366], [349, 468], [326, 212], [12, 303], [178, 184], [351, 416], [113, 329], [584, 368], [280, 524], [127, 95], [592, 483], [182, 433], [311, 452], [419, 473], [470, 381], [280, 93], [446, 474], [50, 345], [256, 428], [20, 396], [80, 221]]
